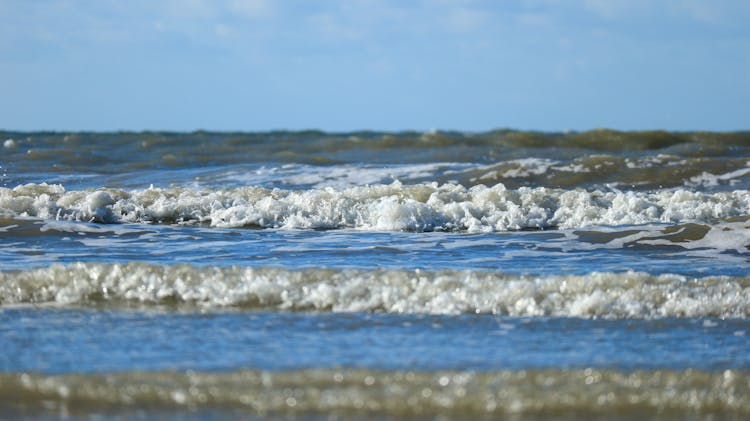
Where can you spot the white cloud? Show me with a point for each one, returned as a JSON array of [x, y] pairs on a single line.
[[464, 19], [613, 9], [190, 9], [715, 12], [223, 31], [534, 19], [250, 9], [331, 26], [701, 11]]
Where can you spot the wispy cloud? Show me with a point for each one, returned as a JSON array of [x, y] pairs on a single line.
[[485, 53], [251, 9], [466, 19]]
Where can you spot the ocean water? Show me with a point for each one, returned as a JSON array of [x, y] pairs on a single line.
[[380, 276]]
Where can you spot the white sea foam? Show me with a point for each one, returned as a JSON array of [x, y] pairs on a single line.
[[515, 168], [390, 207], [606, 295], [336, 176], [706, 179], [713, 239], [528, 166], [650, 161], [574, 167]]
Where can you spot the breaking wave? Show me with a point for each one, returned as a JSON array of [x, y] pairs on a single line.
[[596, 295], [390, 207]]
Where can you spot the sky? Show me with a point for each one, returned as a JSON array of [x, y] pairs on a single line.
[[342, 65]]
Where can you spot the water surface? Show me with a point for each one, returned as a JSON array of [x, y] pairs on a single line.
[[370, 275]]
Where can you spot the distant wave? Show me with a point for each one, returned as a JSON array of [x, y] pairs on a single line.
[[390, 207], [319, 141], [635, 160], [603, 171], [605, 295]]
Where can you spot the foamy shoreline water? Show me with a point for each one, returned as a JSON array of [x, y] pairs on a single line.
[[345, 393]]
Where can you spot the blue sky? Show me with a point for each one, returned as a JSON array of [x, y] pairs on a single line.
[[384, 65]]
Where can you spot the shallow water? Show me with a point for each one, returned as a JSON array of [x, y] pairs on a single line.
[[374, 275], [691, 250]]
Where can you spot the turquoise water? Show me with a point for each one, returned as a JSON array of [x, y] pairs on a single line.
[[374, 275]]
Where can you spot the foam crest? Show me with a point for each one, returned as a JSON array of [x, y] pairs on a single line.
[[336, 176], [605, 295], [534, 394], [389, 207]]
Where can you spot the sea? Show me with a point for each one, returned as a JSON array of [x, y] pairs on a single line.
[[440, 275]]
